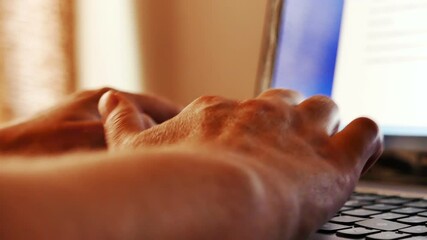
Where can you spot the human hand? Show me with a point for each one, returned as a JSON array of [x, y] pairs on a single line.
[[75, 124], [294, 146]]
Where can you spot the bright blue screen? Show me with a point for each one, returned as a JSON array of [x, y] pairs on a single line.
[[308, 44]]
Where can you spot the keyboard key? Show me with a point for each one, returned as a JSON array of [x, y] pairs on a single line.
[[394, 201], [423, 214], [415, 230], [387, 236], [344, 209], [413, 220], [381, 207], [356, 203], [415, 238], [356, 232], [408, 210], [331, 228], [417, 204], [381, 224], [346, 220], [389, 216], [360, 212]]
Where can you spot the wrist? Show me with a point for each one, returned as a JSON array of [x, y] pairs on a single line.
[[14, 137], [32, 203], [19, 198], [286, 209], [279, 180]]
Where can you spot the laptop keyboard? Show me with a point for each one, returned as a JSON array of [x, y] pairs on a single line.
[[379, 217]]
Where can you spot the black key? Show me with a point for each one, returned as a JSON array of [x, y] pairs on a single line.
[[408, 210], [381, 224], [394, 201], [423, 214], [346, 220], [413, 220], [357, 194], [331, 228], [417, 204], [415, 230], [387, 236], [356, 232], [360, 212], [380, 207], [356, 203], [344, 209], [389, 216]]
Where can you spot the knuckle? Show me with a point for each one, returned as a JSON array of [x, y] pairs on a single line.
[[321, 100], [280, 92], [213, 103], [277, 91], [259, 105], [211, 113], [267, 113], [207, 100], [117, 130], [117, 119]]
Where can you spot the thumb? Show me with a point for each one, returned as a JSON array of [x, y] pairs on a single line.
[[121, 118]]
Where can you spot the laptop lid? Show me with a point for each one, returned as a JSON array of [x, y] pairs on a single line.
[[369, 56]]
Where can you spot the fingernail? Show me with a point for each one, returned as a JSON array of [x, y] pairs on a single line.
[[107, 103]]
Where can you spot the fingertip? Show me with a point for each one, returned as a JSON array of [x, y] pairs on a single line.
[[379, 146], [121, 119], [369, 124], [366, 129], [107, 103], [361, 140], [374, 143]]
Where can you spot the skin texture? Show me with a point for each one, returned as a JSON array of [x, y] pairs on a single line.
[[75, 124], [220, 169]]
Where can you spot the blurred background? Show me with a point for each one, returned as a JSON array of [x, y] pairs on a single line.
[[180, 49]]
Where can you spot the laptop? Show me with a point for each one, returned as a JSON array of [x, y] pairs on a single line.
[[370, 56]]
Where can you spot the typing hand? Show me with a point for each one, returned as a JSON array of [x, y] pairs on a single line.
[[307, 166], [74, 124]]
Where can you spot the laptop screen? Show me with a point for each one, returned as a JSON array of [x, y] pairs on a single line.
[[369, 56]]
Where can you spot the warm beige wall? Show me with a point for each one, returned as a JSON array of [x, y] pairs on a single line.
[[37, 55], [196, 47], [107, 45]]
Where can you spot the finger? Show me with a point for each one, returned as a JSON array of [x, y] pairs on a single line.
[[81, 135], [160, 109], [320, 112], [361, 141], [288, 96], [121, 118], [147, 121], [83, 105]]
